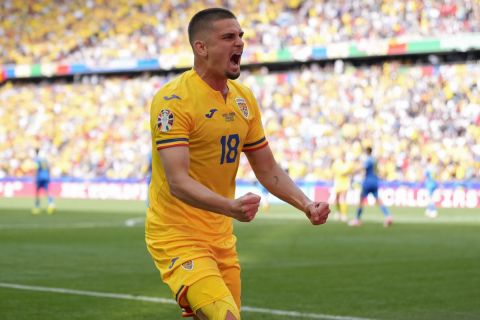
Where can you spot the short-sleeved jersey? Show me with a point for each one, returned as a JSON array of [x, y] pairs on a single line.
[[187, 112], [43, 171], [342, 171], [370, 166], [430, 182]]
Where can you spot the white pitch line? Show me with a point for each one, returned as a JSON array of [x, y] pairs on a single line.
[[87, 293], [291, 314], [296, 314], [77, 225], [399, 220], [135, 221], [139, 222]]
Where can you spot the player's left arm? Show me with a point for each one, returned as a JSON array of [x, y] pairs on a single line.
[[277, 182]]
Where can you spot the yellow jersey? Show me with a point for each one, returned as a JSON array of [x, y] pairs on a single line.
[[187, 112], [342, 171]]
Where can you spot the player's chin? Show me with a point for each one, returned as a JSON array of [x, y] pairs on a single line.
[[232, 71]]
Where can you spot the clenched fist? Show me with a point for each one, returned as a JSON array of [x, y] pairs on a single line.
[[317, 212], [245, 208]]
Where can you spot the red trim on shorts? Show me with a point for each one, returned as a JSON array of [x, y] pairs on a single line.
[[187, 312], [181, 296]]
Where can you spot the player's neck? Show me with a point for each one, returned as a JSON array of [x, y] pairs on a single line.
[[214, 82]]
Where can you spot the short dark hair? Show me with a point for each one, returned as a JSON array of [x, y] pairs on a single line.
[[369, 150], [202, 19]]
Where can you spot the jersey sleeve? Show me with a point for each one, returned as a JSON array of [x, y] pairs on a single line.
[[256, 135], [170, 121]]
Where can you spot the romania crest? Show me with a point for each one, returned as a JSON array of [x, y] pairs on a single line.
[[188, 265], [242, 105], [165, 120]]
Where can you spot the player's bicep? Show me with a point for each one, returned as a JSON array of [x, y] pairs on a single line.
[[176, 163]]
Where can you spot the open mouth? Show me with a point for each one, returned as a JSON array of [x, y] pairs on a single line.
[[235, 59]]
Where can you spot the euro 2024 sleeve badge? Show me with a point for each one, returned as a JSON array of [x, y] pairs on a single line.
[[165, 120], [242, 105]]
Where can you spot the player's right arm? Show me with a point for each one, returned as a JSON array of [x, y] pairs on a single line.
[[176, 163]]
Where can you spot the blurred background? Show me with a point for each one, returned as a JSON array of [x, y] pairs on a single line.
[[331, 77]]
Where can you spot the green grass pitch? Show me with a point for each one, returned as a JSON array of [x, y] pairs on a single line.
[[89, 261]]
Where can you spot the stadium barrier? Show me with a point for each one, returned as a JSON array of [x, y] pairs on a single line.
[[400, 194], [342, 50]]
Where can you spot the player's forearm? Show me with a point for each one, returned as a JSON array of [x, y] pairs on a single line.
[[281, 185], [197, 195]]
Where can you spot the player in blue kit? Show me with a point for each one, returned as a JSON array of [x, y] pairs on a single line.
[[431, 185], [370, 186], [42, 180]]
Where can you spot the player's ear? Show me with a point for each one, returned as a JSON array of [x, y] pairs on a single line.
[[200, 48]]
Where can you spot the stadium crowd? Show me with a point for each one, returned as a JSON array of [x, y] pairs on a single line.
[[99, 126], [97, 31]]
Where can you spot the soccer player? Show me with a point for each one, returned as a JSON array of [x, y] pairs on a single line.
[[342, 169], [200, 122], [431, 185], [42, 180], [370, 186]]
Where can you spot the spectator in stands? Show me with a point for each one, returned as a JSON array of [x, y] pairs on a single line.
[[96, 32], [90, 121]]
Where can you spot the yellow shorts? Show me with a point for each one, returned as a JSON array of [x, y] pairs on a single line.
[[182, 264], [341, 186]]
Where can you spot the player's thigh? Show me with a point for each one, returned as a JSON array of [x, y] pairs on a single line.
[[210, 299], [364, 193], [342, 195], [374, 192], [42, 184], [229, 267], [369, 188]]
